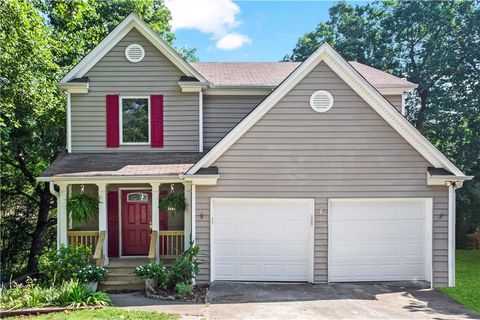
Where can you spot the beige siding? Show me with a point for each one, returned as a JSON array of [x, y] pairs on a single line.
[[396, 101], [222, 113], [350, 151], [155, 74]]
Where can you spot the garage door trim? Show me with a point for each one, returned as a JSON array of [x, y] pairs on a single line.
[[428, 236], [311, 203]]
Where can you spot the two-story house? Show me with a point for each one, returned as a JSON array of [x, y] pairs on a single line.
[[291, 171]]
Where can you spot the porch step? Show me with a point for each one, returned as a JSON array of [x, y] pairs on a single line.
[[121, 274]]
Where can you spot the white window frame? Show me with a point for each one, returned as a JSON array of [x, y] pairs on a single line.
[[121, 120]]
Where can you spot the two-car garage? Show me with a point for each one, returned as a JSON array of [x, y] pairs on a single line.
[[274, 239]]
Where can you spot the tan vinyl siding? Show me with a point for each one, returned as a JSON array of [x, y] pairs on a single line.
[[348, 152], [396, 101], [114, 74], [222, 113]]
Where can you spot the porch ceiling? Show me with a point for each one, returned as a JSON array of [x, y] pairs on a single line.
[[129, 164]]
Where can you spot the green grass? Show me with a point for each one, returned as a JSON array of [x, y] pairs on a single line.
[[103, 314], [467, 289]]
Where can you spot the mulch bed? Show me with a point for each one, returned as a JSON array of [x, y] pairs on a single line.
[[198, 294]]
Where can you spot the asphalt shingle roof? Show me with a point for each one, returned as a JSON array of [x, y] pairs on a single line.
[[273, 73], [121, 164]]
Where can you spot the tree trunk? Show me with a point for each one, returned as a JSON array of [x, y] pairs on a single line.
[[422, 111], [40, 230]]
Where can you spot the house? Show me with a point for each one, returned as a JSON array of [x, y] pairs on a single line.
[[291, 171]]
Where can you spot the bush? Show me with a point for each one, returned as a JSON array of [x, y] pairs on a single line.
[[185, 268], [63, 265], [150, 271], [92, 274], [69, 294], [182, 289]]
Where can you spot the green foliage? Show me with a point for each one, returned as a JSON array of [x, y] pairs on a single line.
[[82, 206], [467, 286], [64, 264], [69, 294], [434, 44], [151, 271], [174, 202], [182, 289], [185, 268], [104, 314], [92, 274]]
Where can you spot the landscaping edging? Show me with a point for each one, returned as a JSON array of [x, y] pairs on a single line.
[[33, 311]]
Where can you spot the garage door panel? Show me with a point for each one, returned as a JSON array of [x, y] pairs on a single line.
[[377, 240], [267, 239]]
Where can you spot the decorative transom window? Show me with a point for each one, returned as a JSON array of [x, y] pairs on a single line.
[[137, 197], [134, 53], [321, 101], [135, 120]]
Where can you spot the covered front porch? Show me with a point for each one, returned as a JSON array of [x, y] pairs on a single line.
[[129, 223]]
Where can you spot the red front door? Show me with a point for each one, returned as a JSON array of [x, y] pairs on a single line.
[[136, 220]]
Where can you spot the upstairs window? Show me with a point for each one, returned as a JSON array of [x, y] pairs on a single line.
[[135, 120]]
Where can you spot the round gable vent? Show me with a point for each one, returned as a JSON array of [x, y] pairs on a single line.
[[321, 101], [134, 53]]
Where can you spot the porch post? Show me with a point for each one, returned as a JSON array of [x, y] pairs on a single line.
[[156, 215], [102, 217], [62, 237], [187, 222]]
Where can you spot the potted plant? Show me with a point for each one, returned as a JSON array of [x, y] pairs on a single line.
[[91, 275], [152, 273], [82, 206], [174, 202]]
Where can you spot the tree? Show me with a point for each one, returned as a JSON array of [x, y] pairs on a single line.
[[433, 44], [40, 41]]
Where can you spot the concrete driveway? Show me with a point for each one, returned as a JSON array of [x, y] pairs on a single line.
[[305, 301]]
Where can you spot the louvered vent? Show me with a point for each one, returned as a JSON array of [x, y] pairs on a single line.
[[321, 101], [134, 53]]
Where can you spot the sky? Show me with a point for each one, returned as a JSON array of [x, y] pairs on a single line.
[[227, 30]]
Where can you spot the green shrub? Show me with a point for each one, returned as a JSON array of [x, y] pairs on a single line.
[[64, 264], [69, 294], [184, 268], [150, 271], [182, 289], [92, 274]]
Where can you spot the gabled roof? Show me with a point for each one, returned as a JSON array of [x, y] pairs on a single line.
[[271, 74], [117, 34], [359, 84]]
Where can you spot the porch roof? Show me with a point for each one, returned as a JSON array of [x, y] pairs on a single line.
[[127, 164]]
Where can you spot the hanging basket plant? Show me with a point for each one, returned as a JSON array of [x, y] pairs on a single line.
[[174, 202], [82, 206]]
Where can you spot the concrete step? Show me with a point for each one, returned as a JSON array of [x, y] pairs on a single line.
[[121, 285], [127, 262]]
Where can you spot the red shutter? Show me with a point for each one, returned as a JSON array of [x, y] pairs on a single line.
[[112, 205], [156, 121], [113, 121]]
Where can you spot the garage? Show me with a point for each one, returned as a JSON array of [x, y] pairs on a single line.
[[379, 239], [262, 239]]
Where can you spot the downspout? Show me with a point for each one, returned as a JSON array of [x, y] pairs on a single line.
[[452, 186], [200, 121], [56, 194]]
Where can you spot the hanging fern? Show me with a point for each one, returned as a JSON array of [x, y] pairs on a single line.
[[82, 207], [174, 201]]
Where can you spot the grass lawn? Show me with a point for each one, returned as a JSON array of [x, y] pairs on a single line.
[[467, 289], [103, 314]]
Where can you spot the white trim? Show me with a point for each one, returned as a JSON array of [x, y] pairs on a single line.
[[393, 91], [69, 123], [120, 225], [121, 121], [194, 213], [199, 180], [443, 180], [428, 231], [130, 22], [74, 87], [364, 89], [403, 103], [312, 229], [451, 234], [192, 86], [200, 121]]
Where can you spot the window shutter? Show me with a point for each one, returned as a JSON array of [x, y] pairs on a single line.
[[156, 121], [112, 206], [113, 121]]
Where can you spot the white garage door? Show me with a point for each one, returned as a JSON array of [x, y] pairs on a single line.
[[379, 240], [262, 239]]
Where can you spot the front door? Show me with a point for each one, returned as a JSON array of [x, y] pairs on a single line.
[[136, 222]]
